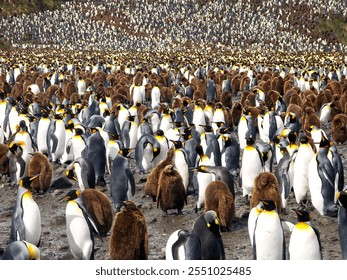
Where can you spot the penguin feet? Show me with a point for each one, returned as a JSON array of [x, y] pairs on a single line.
[[284, 211], [331, 211], [101, 182], [179, 212]]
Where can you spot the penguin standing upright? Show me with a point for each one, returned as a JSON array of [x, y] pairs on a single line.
[[181, 162], [268, 237], [43, 126], [95, 151], [231, 154], [300, 170], [82, 171], [129, 237], [164, 146], [26, 217], [321, 180], [183, 245], [122, 183], [251, 166], [56, 138], [80, 227], [206, 227], [304, 242], [342, 221], [210, 145], [129, 132], [146, 150]]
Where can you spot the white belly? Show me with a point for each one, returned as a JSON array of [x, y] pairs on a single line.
[[32, 221]]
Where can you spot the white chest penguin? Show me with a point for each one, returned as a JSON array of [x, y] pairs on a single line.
[[69, 133], [321, 180], [123, 113], [82, 171], [251, 165], [300, 170], [244, 127], [12, 122], [42, 131], [164, 146], [80, 227], [78, 142], [202, 178], [155, 97], [199, 119], [165, 120], [81, 86], [218, 116], [56, 137], [137, 94], [268, 237], [304, 242], [325, 113], [129, 132], [26, 217], [252, 218], [112, 151], [180, 160]]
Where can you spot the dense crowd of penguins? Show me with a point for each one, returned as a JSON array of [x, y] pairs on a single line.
[[171, 25], [196, 125]]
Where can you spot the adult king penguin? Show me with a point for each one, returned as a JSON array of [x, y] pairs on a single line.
[[342, 221], [26, 217], [21, 250]]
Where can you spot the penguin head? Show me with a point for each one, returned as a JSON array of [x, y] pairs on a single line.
[[342, 198], [304, 139], [211, 219], [177, 144], [69, 125], [292, 137], [250, 141], [268, 204], [302, 215], [129, 205], [25, 182], [71, 195], [125, 152], [156, 152], [199, 150], [34, 252], [69, 173], [325, 142], [16, 148]]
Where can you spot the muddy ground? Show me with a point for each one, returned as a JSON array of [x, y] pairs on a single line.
[[54, 244]]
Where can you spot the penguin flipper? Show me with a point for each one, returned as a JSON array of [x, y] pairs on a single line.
[[221, 248], [17, 226], [89, 220], [174, 249], [285, 184], [131, 180], [318, 238], [54, 141], [22, 165]]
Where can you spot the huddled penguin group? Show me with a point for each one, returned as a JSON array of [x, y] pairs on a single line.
[[201, 143]]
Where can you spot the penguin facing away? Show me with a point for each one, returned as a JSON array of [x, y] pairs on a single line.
[[268, 236], [183, 245], [79, 226], [21, 250], [304, 243], [206, 227], [26, 217], [129, 237]]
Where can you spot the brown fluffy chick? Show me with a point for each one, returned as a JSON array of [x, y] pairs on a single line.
[[39, 164]]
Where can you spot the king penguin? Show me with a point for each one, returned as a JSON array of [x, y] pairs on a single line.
[[206, 227], [82, 171], [56, 137], [181, 162], [268, 237], [26, 217], [183, 245], [122, 183], [80, 227], [21, 250], [304, 242]]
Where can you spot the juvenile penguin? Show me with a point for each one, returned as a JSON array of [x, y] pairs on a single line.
[[151, 185], [304, 242], [183, 245], [339, 128], [21, 250], [268, 237], [82, 171], [122, 182], [26, 217], [342, 221], [206, 227], [171, 193], [79, 226], [266, 187], [129, 237], [39, 164], [219, 198]]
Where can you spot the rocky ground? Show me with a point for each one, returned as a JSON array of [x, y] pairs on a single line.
[[54, 244]]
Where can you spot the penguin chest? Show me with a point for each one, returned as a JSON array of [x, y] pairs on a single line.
[[241, 132], [31, 219], [42, 135], [78, 145], [78, 233], [304, 244], [315, 185], [147, 158], [251, 167], [268, 236], [182, 167]]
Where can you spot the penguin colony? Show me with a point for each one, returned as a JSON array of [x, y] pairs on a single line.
[[222, 131]]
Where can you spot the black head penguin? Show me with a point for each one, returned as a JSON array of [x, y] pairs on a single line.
[[146, 150], [56, 137], [219, 198], [183, 245], [321, 179], [21, 250], [268, 237], [231, 154], [304, 242], [95, 151], [129, 237], [342, 221], [99, 208], [151, 185], [171, 193], [82, 171], [206, 227], [181, 162], [122, 182], [26, 217], [210, 144], [79, 226], [39, 164]]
